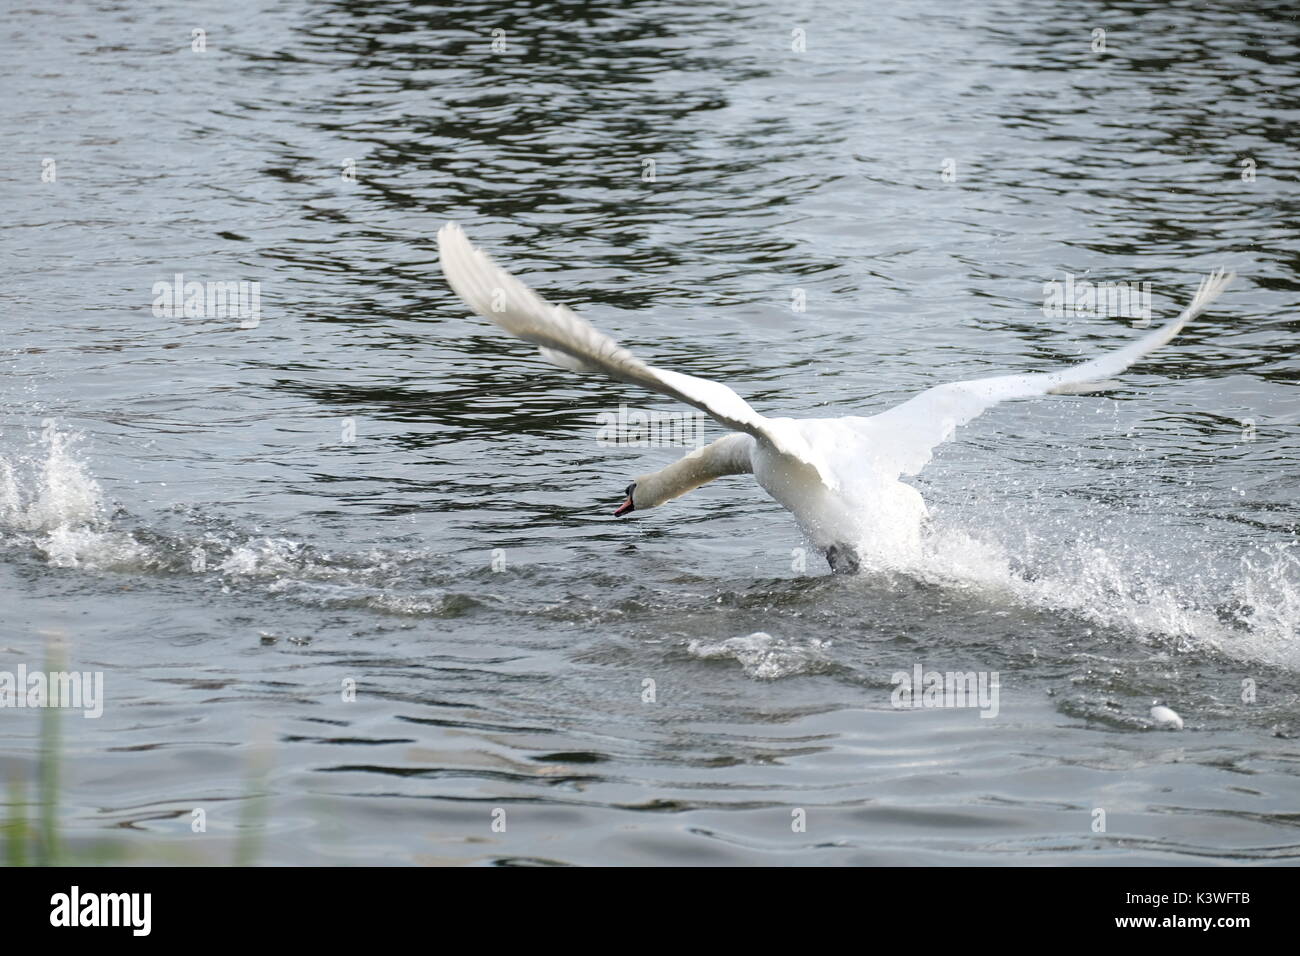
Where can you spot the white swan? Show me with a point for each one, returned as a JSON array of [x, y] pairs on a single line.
[[840, 477]]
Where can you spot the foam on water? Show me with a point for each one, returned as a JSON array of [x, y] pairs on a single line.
[[765, 657]]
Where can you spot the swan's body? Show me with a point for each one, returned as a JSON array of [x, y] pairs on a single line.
[[839, 477]]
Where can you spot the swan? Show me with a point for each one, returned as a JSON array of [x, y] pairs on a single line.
[[841, 478]]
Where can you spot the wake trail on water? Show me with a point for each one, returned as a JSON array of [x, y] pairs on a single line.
[[1243, 602], [51, 505]]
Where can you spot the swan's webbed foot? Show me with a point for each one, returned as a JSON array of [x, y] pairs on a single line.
[[843, 559]]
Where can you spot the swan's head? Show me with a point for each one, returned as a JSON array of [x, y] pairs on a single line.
[[645, 493], [630, 504], [653, 489]]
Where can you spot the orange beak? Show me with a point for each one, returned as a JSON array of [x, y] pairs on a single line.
[[624, 508]]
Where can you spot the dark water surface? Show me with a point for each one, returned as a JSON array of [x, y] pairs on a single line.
[[180, 508]]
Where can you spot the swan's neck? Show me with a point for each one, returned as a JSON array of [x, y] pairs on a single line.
[[729, 455]]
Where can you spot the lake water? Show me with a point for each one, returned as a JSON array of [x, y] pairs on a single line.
[[350, 573]]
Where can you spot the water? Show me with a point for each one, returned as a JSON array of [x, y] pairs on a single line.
[[181, 510]]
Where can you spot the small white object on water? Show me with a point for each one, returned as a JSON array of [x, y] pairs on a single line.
[[1166, 718]]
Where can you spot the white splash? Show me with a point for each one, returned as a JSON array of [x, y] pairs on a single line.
[[65, 494], [765, 657], [1124, 587], [56, 506]]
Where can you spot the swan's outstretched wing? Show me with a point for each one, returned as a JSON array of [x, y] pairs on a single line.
[[568, 340], [903, 438]]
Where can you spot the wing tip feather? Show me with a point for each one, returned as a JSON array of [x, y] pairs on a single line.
[[1211, 287]]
